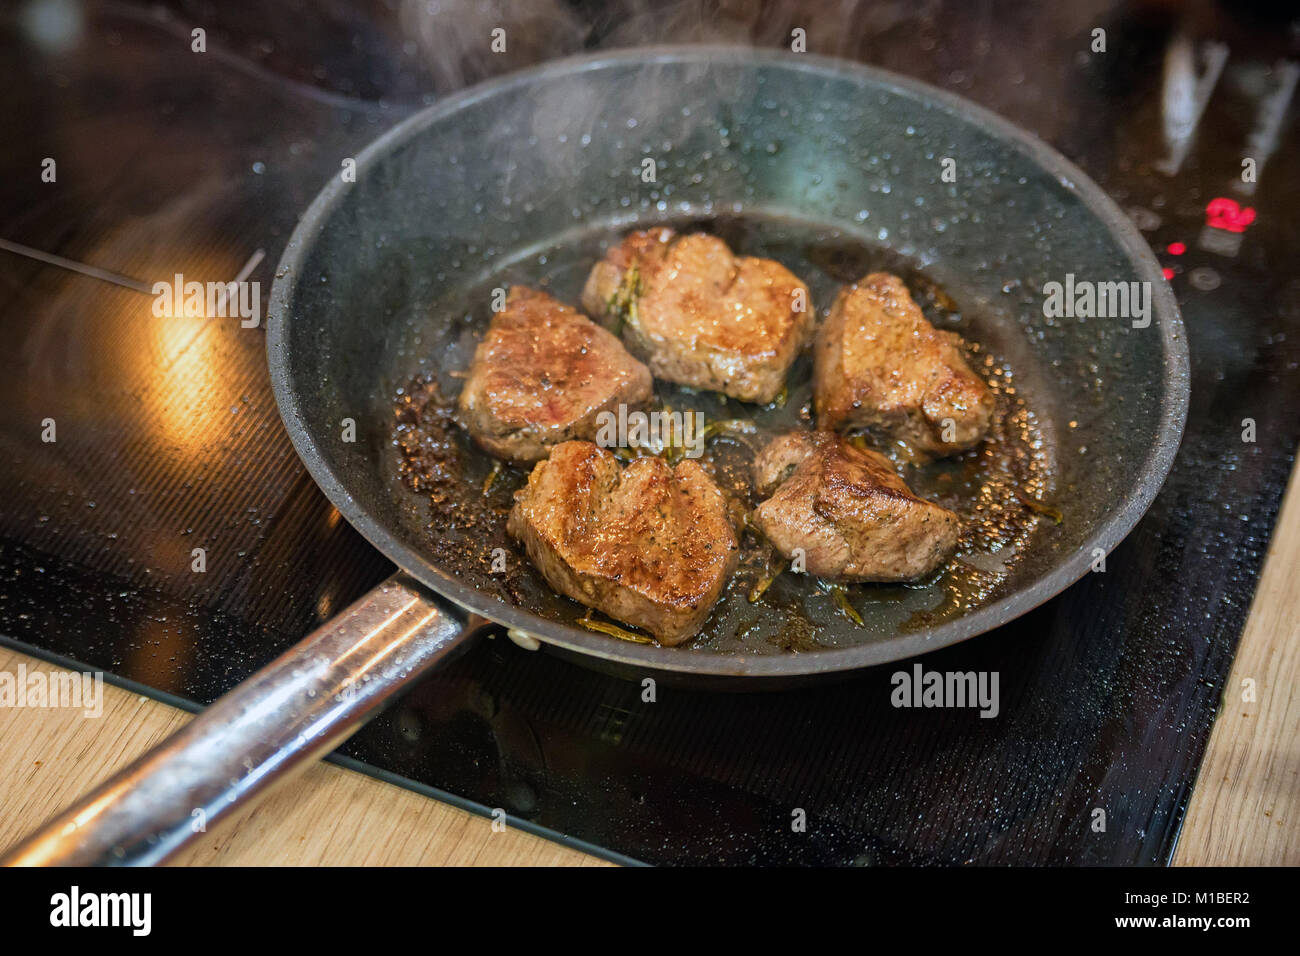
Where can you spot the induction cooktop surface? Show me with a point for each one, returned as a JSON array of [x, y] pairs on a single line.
[[170, 160]]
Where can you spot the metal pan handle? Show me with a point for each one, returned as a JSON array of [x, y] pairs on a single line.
[[290, 713]]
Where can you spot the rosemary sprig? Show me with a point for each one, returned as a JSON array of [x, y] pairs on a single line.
[[770, 572], [736, 429], [492, 477], [729, 426], [764, 582], [622, 304], [1038, 507], [613, 630], [840, 598]]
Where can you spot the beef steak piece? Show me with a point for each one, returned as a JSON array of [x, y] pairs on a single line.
[[879, 363], [542, 375], [699, 315], [848, 510], [648, 544]]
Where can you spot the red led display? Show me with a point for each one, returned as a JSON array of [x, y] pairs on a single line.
[[1228, 214]]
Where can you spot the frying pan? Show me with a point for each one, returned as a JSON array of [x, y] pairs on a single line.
[[524, 179]]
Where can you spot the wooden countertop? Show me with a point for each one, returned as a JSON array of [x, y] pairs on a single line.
[[1245, 808]]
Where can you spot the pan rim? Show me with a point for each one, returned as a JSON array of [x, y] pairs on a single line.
[[1174, 401]]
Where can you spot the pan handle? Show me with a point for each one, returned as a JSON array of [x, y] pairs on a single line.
[[290, 713]]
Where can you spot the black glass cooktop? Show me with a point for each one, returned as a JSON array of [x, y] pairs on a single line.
[[168, 160]]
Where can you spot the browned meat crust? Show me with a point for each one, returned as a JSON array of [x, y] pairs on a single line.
[[848, 510], [542, 375], [879, 363], [649, 544], [699, 315]]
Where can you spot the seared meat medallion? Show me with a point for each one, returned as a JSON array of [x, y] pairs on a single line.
[[653, 544], [848, 510], [542, 375], [879, 363], [699, 315], [648, 544]]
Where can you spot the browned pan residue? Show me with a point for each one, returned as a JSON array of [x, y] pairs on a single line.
[[1001, 490]]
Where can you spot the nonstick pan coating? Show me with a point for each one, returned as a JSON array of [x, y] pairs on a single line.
[[522, 179]]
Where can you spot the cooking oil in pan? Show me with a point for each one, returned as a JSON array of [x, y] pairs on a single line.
[[1001, 490]]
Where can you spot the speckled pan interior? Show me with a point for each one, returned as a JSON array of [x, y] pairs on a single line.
[[826, 165]]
